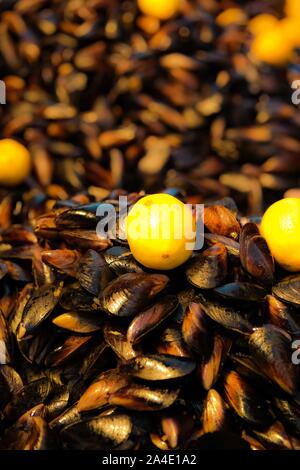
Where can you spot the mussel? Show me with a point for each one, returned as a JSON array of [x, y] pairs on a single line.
[[271, 350], [209, 268], [130, 293], [255, 255]]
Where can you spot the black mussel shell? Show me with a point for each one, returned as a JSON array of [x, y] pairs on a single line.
[[140, 397], [159, 367], [38, 308], [116, 338], [255, 255], [84, 216], [228, 316], [245, 400], [121, 261], [243, 291], [210, 366], [214, 413], [289, 412], [5, 341], [130, 293], [10, 384], [195, 330], [75, 298], [283, 315], [151, 318], [98, 393], [30, 432], [79, 322], [271, 349], [288, 289], [100, 433], [208, 269], [93, 272], [30, 395]]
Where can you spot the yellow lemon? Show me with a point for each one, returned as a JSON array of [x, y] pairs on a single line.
[[292, 8], [161, 9], [161, 231], [262, 22], [231, 16], [15, 162], [280, 227], [272, 46], [291, 28]]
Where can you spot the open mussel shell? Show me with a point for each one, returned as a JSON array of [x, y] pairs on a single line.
[[116, 338], [270, 347], [228, 316], [140, 397], [255, 255], [38, 308], [195, 330], [151, 318], [288, 290], [130, 293], [242, 291], [208, 269], [245, 400], [214, 413], [159, 367], [98, 393]]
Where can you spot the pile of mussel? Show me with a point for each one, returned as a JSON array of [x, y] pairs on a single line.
[[98, 352]]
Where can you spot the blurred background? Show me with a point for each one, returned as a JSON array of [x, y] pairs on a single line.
[[148, 95]]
